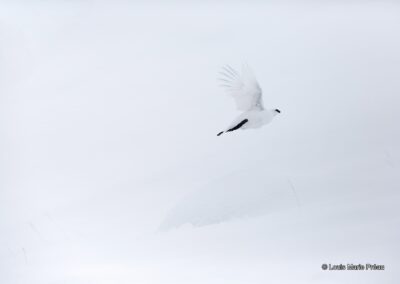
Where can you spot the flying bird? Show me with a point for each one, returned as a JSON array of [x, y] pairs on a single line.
[[247, 93]]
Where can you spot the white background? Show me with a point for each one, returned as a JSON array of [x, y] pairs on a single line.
[[111, 170]]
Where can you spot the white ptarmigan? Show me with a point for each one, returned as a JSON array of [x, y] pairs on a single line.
[[247, 93]]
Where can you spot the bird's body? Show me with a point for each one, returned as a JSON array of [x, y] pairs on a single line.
[[255, 118], [247, 93]]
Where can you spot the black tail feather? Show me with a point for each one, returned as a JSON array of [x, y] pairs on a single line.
[[243, 122]]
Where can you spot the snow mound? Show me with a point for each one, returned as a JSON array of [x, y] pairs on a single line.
[[234, 196]]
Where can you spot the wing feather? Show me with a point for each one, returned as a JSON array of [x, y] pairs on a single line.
[[243, 87]]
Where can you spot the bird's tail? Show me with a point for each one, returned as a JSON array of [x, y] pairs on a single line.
[[243, 122]]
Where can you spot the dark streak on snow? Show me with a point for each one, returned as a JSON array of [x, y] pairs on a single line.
[[34, 229], [25, 256], [294, 192]]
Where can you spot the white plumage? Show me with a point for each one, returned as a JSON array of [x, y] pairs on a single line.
[[247, 94]]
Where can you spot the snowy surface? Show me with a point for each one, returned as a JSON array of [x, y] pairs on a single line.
[[111, 170]]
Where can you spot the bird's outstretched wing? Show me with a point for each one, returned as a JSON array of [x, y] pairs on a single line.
[[243, 87]]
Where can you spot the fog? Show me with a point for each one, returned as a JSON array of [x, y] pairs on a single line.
[[111, 170]]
